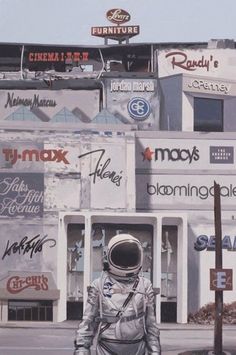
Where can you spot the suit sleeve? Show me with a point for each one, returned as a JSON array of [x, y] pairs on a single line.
[[152, 330], [87, 328]]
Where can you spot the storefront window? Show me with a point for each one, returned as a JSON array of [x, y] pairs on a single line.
[[208, 115], [75, 261], [20, 310], [75, 270], [169, 274]]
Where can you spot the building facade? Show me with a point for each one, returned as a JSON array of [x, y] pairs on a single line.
[[96, 141]]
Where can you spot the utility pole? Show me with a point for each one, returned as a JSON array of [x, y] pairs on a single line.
[[218, 265]]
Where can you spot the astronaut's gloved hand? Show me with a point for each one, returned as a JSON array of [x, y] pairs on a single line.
[[82, 351]]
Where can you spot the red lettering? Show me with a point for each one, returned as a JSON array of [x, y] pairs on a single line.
[[31, 57], [15, 284], [56, 57], [76, 56], [38, 57], [51, 57], [85, 56], [69, 55]]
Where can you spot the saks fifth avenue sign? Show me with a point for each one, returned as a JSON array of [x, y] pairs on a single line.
[[21, 194], [117, 16]]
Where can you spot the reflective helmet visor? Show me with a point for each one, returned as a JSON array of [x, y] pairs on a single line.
[[126, 254]]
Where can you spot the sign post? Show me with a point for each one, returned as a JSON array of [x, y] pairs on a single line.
[[218, 265]]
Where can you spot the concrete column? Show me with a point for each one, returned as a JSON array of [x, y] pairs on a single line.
[[182, 272], [4, 311], [87, 255], [157, 236], [61, 270]]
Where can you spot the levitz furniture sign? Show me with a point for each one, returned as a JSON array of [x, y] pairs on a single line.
[[184, 191], [205, 62], [185, 154], [49, 105]]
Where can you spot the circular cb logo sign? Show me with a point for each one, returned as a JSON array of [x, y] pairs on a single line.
[[139, 108]]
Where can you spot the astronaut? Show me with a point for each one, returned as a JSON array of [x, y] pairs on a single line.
[[119, 314]]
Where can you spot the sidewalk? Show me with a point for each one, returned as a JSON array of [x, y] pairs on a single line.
[[73, 325]]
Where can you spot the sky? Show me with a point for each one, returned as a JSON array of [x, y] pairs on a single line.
[[69, 22]]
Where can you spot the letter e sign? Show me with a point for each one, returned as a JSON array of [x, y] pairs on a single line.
[[221, 279]]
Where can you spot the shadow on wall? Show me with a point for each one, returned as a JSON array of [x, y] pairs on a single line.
[[193, 273]]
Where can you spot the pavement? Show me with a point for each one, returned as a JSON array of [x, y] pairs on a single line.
[[69, 324], [176, 339]]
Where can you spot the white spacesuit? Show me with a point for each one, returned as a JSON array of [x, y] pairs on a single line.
[[119, 312]]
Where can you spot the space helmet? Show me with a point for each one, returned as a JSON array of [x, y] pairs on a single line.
[[124, 255]]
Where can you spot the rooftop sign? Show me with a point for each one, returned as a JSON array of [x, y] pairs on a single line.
[[118, 16], [119, 33]]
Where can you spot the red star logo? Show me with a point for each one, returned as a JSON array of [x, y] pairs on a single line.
[[147, 154]]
